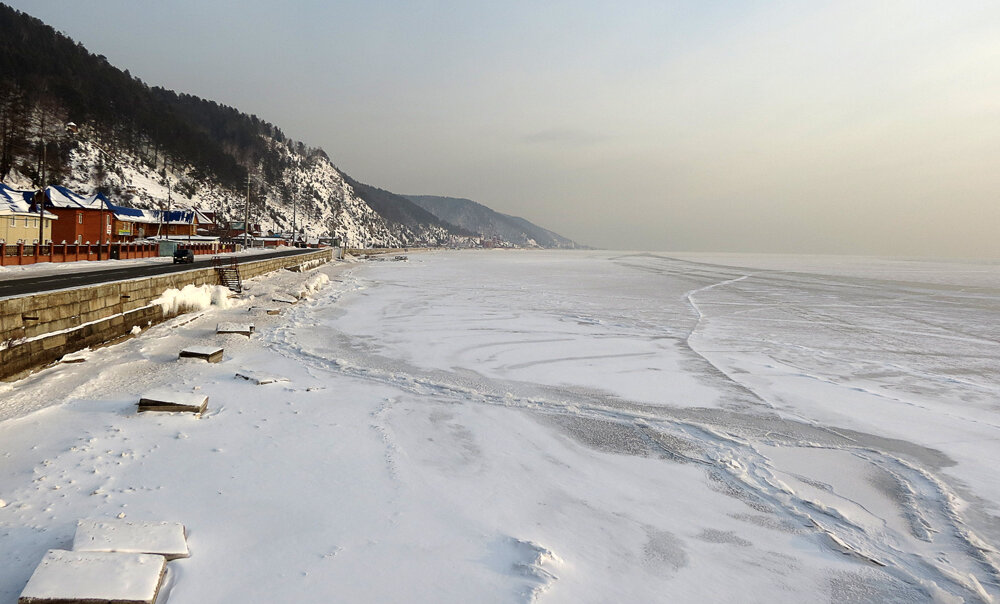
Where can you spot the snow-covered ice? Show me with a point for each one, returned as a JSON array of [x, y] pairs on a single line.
[[544, 426]]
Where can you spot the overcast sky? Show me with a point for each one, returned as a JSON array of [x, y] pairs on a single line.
[[814, 127]]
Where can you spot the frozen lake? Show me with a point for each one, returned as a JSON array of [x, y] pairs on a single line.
[[551, 426]]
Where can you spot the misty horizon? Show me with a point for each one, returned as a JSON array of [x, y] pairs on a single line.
[[846, 129]]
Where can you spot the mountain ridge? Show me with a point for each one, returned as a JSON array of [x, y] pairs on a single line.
[[474, 216], [152, 147]]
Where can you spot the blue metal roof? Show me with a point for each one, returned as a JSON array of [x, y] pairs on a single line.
[[123, 211]]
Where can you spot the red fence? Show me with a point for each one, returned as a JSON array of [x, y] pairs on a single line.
[[208, 248], [19, 253]]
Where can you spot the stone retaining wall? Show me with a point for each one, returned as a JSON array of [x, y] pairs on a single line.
[[39, 329]]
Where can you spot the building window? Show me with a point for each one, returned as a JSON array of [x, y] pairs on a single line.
[[79, 217], [108, 220], [13, 221]]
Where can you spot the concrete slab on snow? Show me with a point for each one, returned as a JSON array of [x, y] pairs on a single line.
[[258, 377], [241, 328], [167, 539], [166, 400], [64, 577], [212, 354]]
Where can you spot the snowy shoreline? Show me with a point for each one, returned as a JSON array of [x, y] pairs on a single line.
[[520, 427]]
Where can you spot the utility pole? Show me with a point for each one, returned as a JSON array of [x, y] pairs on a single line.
[[295, 191], [246, 213], [167, 176], [159, 227], [41, 205]]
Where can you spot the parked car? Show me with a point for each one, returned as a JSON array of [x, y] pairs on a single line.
[[183, 256]]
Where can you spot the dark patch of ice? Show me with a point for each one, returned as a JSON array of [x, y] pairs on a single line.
[[664, 549], [727, 537]]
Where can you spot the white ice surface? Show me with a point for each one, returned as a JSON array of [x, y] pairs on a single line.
[[564, 427]]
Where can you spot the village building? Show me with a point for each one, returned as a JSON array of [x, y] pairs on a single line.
[[74, 218], [179, 223], [82, 219], [133, 223], [18, 223]]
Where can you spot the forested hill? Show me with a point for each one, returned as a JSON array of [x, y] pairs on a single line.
[[142, 145], [149, 147], [44, 71]]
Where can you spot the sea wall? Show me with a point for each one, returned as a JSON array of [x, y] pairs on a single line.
[[39, 329]]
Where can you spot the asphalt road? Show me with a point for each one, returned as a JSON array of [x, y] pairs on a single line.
[[27, 286]]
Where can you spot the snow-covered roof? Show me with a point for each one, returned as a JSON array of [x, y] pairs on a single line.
[[61, 197], [15, 201], [203, 218], [180, 217], [134, 214], [151, 216]]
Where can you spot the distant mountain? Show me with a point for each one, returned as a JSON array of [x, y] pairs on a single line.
[[476, 217], [400, 211]]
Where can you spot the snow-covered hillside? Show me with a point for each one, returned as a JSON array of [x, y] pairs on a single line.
[[325, 203], [70, 118]]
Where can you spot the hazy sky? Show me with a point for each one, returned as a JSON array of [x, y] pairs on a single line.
[[828, 127]]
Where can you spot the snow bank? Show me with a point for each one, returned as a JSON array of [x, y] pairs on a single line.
[[311, 264], [174, 301], [313, 284]]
